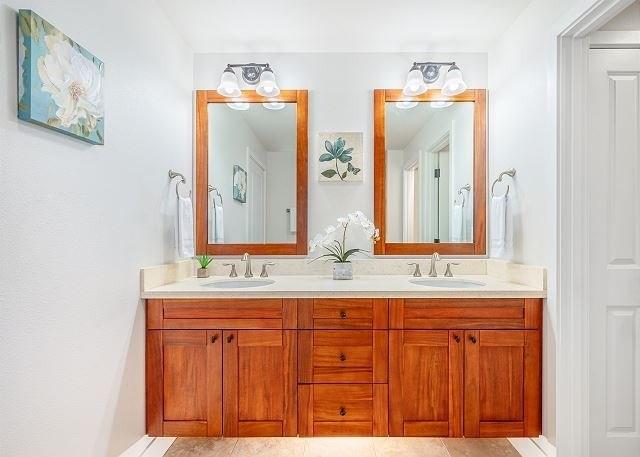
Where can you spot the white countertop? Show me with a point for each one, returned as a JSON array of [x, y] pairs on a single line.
[[362, 286]]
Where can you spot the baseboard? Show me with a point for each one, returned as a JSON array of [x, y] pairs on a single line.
[[533, 447], [149, 446]]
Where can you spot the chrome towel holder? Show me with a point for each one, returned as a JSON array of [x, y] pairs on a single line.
[[174, 174], [466, 187], [511, 172], [215, 189]]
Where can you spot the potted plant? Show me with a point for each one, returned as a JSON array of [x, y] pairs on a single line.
[[204, 260], [337, 248]]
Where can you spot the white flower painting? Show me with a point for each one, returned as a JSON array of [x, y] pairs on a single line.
[[61, 83]]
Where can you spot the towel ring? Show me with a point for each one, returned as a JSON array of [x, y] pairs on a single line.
[[511, 173], [466, 187], [183, 180], [215, 189]]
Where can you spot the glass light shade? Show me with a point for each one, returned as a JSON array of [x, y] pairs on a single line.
[[453, 83], [239, 106], [441, 104], [415, 84], [273, 105], [406, 105], [267, 87], [228, 86]]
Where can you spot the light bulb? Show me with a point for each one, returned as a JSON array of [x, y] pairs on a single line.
[[274, 105], [415, 84], [453, 83], [239, 106], [441, 104], [406, 105], [228, 86], [267, 87]]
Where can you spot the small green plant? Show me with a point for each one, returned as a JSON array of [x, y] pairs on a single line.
[[204, 260]]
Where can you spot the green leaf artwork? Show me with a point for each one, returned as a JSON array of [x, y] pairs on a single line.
[[340, 155]]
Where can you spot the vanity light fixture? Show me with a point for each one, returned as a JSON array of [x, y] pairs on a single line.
[[254, 74], [423, 73], [239, 106], [441, 104], [406, 105], [274, 105]]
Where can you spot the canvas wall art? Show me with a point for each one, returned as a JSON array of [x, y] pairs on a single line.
[[340, 156], [239, 184], [60, 83]]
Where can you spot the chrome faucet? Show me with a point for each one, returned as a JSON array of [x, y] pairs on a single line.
[[247, 258], [435, 257]]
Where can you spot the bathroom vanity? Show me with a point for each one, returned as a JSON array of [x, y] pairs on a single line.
[[377, 356]]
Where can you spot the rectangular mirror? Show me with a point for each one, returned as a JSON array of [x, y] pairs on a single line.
[[249, 162], [430, 192]]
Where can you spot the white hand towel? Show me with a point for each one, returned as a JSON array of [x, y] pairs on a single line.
[[211, 218], [457, 223], [498, 228], [219, 223], [184, 228]]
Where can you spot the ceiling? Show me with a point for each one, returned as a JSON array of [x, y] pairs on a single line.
[[276, 129], [341, 25], [404, 124]]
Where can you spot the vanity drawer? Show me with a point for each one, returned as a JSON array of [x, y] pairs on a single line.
[[460, 313], [221, 313], [343, 356], [342, 410], [343, 313]]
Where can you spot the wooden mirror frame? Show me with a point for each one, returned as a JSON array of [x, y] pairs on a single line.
[[479, 185], [203, 99]]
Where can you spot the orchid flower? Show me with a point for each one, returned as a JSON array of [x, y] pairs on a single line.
[[337, 249]]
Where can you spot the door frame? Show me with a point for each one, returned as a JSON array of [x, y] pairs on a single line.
[[572, 364], [409, 171], [252, 157]]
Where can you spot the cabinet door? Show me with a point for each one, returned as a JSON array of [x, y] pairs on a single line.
[[259, 383], [425, 382], [502, 383], [184, 373]]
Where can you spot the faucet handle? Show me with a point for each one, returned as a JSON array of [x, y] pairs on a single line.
[[263, 273], [233, 273], [447, 272], [416, 270]]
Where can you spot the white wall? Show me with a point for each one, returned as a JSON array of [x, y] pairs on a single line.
[[341, 100], [78, 221], [522, 134], [281, 184]]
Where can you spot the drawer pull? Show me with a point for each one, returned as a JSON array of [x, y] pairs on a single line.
[[214, 338], [343, 411], [473, 339], [230, 338], [342, 357], [457, 338], [343, 314]]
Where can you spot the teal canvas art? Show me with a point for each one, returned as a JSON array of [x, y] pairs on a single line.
[[60, 83]]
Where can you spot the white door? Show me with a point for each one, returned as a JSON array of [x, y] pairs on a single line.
[[613, 168], [256, 199]]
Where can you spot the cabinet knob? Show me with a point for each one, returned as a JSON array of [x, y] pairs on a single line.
[[230, 338], [457, 338], [343, 411], [473, 339], [214, 338], [343, 314], [342, 357]]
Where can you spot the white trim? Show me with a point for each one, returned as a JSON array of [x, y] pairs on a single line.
[[149, 446], [615, 40], [533, 447], [572, 275]]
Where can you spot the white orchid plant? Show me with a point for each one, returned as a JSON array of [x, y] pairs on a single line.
[[337, 249]]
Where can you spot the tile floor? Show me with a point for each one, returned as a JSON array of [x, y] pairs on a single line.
[[341, 447]]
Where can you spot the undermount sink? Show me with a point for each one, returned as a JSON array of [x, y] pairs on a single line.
[[446, 282], [239, 283]]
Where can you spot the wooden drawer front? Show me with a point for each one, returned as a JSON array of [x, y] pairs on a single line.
[[343, 356], [223, 314], [343, 313], [458, 313], [342, 410]]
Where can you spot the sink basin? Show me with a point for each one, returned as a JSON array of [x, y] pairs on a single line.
[[239, 283], [446, 282]]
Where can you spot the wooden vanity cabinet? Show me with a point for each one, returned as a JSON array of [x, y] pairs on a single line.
[[330, 367]]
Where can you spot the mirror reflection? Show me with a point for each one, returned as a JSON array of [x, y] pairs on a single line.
[[429, 172], [252, 173]]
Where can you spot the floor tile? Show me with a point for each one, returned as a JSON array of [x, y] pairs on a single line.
[[269, 447], [409, 447], [480, 447], [339, 447], [201, 447]]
